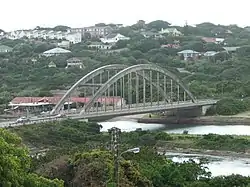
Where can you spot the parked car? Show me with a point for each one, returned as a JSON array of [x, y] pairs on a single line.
[[22, 120], [60, 116]]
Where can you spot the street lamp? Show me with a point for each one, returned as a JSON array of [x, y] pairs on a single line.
[[115, 137], [133, 150]]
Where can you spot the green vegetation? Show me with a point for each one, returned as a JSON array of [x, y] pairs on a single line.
[[78, 155], [230, 106], [15, 164], [24, 73], [70, 134], [78, 152]]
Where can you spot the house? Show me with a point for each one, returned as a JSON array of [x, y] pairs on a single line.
[[2, 34], [231, 49], [99, 45], [39, 104], [171, 31], [189, 54], [64, 44], [149, 34], [113, 38], [174, 46], [56, 51], [75, 62], [213, 40], [5, 49], [210, 53], [52, 65], [94, 31], [74, 37]]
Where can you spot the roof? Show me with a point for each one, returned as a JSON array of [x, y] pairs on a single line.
[[231, 48], [209, 40], [52, 63], [5, 47], [188, 51], [55, 100], [210, 53], [170, 29], [57, 50], [74, 59], [112, 35]]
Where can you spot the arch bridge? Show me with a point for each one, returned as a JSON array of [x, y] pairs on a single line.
[[119, 90]]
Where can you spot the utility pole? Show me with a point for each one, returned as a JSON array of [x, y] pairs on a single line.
[[115, 136]]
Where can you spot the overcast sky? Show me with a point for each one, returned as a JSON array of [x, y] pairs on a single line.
[[26, 14]]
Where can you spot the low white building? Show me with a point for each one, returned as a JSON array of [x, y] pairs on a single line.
[[75, 62], [171, 31], [64, 44], [210, 53], [113, 38], [74, 37], [187, 54], [55, 52], [99, 45]]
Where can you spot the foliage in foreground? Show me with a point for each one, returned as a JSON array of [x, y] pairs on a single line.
[[145, 169], [79, 165], [15, 164]]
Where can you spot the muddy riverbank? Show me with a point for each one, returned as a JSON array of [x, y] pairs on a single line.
[[163, 150], [205, 120]]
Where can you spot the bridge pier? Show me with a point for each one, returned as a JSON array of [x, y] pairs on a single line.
[[189, 112]]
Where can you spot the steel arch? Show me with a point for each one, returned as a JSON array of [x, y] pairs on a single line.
[[85, 79], [91, 75], [131, 69]]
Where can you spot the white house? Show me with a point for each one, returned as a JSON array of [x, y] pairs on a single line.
[[74, 37], [113, 38], [187, 54], [99, 45], [64, 44], [171, 31], [210, 53], [75, 62], [55, 52]]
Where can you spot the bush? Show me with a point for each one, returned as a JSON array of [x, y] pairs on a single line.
[[230, 106]]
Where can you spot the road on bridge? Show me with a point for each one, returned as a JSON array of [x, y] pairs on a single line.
[[116, 112]]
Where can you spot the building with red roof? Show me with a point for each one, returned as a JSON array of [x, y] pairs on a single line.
[[39, 104]]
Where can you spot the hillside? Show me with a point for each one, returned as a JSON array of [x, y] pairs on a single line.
[[24, 73]]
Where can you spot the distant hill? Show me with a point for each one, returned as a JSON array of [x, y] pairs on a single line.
[[2, 31]]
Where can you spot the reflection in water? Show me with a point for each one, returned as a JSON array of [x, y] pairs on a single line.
[[222, 130], [217, 165]]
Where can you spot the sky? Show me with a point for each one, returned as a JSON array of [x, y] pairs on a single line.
[[27, 14]]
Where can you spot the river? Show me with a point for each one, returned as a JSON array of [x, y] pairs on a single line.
[[217, 165]]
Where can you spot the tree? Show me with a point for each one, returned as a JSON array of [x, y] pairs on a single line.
[[61, 28], [40, 48], [15, 163], [158, 25], [23, 50], [100, 25]]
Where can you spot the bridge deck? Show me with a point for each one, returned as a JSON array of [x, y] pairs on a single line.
[[142, 109]]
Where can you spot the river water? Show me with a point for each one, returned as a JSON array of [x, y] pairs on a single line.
[[217, 165]]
